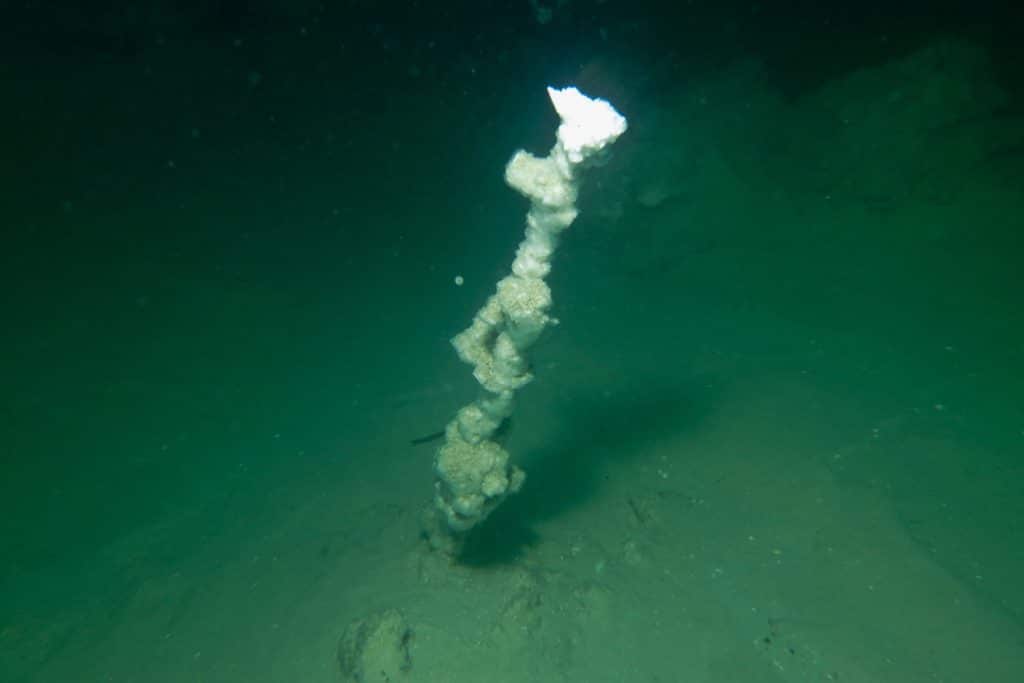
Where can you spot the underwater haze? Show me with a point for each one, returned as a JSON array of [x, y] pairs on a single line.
[[777, 434]]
